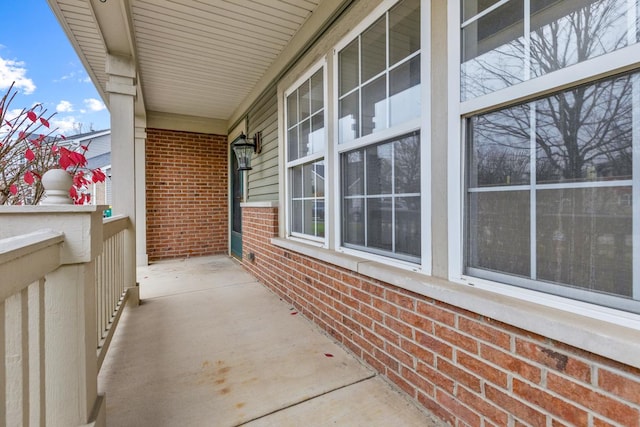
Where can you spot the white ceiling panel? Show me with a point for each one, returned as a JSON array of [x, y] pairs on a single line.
[[194, 57]]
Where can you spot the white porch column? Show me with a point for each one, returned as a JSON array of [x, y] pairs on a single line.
[[122, 90], [141, 195]]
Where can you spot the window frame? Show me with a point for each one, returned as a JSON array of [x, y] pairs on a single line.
[[420, 124], [311, 158], [591, 70]]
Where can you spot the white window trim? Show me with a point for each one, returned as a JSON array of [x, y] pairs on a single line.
[[602, 66], [422, 123], [320, 65]]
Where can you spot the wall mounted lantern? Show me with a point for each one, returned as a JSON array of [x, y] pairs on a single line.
[[243, 147]]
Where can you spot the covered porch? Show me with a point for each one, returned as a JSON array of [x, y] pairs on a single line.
[[209, 345], [317, 80]]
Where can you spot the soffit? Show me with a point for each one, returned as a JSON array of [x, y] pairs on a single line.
[[198, 58]]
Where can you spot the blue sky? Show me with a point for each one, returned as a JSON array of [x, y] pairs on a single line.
[[35, 53]]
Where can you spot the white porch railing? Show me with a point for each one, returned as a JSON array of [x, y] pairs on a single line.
[[58, 286], [111, 289], [25, 262]]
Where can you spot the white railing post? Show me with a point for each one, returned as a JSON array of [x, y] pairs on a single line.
[[70, 352], [64, 307]]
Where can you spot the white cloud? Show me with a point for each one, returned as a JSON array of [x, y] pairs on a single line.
[[15, 71], [65, 125], [12, 114], [64, 107], [66, 77], [94, 104]]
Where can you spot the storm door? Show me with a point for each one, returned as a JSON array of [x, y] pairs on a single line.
[[236, 212]]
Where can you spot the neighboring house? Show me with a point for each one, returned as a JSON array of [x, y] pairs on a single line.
[[98, 156], [451, 189]]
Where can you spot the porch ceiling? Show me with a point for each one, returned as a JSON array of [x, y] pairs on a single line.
[[198, 58]]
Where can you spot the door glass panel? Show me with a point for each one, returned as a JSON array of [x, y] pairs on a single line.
[[236, 184]]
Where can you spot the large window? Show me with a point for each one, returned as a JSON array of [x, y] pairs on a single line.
[[550, 182], [379, 94], [305, 118]]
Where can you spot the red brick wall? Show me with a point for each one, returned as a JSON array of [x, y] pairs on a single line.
[[467, 369], [187, 194]]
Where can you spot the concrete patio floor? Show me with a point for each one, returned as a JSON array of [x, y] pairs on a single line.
[[210, 346]]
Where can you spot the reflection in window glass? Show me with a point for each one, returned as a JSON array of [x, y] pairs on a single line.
[[296, 182], [353, 173], [585, 134], [348, 68], [374, 106], [304, 138], [379, 169], [406, 170], [567, 32], [297, 216], [404, 30], [307, 199], [498, 225], [304, 101], [571, 214], [353, 221], [379, 223], [292, 143], [407, 225], [500, 148], [472, 7], [292, 109], [317, 93], [388, 91], [560, 34], [404, 92], [317, 133], [493, 51], [582, 237], [348, 120], [374, 48], [381, 213]]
